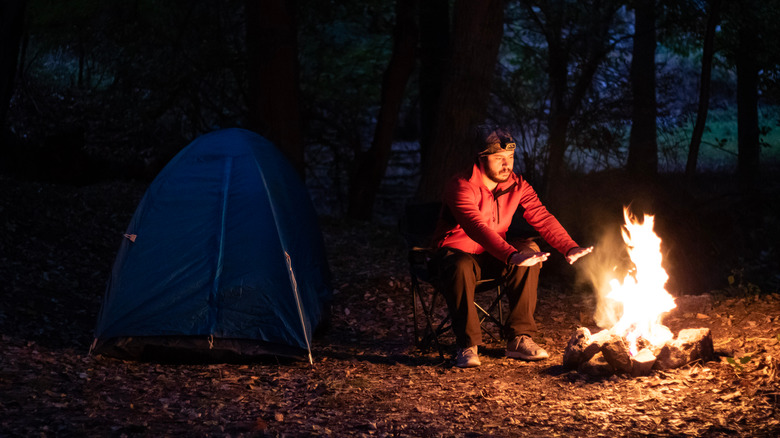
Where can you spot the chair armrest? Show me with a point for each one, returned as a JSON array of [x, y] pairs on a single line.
[[419, 262]]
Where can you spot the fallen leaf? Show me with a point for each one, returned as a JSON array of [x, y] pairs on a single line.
[[731, 396], [260, 425]]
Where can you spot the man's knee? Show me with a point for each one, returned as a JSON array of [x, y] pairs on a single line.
[[452, 264]]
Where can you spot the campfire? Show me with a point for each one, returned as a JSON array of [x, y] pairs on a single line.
[[634, 340]]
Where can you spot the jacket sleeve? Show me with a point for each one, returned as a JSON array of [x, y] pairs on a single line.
[[463, 200], [543, 221]]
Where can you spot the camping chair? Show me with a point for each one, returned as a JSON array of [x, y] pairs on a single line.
[[417, 226]]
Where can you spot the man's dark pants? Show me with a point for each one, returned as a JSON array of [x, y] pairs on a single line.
[[459, 273]]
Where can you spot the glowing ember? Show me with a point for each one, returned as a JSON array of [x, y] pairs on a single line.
[[642, 294]]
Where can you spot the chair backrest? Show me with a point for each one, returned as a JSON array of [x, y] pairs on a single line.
[[419, 222], [417, 226]]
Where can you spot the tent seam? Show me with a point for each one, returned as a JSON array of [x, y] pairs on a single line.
[[221, 250]]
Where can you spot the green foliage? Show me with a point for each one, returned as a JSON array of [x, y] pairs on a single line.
[[520, 88], [344, 48], [740, 285], [736, 363], [760, 18], [144, 74], [597, 131], [681, 25], [158, 72], [719, 143]]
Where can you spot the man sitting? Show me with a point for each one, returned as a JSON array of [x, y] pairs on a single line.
[[478, 208]]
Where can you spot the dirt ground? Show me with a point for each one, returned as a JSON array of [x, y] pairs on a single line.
[[57, 245]]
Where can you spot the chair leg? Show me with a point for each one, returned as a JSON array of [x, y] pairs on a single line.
[[443, 326], [500, 307], [415, 299], [424, 332], [422, 328], [488, 315]]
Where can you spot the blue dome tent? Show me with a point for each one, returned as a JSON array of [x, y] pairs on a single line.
[[222, 259]]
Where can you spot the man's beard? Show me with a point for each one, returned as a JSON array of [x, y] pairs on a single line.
[[496, 176]]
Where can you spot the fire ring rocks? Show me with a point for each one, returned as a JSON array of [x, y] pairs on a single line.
[[604, 353]]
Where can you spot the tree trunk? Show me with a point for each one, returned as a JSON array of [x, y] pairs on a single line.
[[371, 166], [11, 28], [748, 165], [272, 45], [434, 48], [556, 166], [558, 124], [477, 31], [643, 145], [708, 52], [588, 40]]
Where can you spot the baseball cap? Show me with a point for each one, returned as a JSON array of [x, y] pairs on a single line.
[[490, 140]]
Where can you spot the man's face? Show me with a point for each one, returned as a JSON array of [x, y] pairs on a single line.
[[498, 167]]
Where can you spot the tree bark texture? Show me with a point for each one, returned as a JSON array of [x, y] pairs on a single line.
[[272, 45], [748, 163], [708, 52], [643, 145], [11, 28], [476, 36], [372, 164], [434, 49]]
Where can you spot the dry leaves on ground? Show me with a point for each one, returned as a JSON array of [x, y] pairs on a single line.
[[368, 379]]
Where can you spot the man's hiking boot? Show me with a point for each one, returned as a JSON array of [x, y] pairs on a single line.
[[523, 347], [467, 357]]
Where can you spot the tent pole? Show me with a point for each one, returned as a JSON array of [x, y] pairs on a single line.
[[298, 303]]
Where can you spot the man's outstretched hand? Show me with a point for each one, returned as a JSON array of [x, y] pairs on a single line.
[[528, 258], [575, 253]]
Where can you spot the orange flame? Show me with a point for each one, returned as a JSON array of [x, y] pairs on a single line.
[[642, 294]]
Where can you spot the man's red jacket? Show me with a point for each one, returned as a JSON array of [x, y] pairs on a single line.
[[478, 219]]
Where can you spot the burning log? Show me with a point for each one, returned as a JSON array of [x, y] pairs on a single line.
[[642, 363], [615, 351], [636, 341], [572, 356], [605, 353], [691, 345], [583, 346], [596, 366]]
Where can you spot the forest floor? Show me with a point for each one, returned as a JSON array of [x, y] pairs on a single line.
[[57, 246]]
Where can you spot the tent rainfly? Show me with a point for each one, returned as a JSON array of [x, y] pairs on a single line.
[[223, 259]]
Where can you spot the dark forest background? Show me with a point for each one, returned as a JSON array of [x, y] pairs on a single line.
[[672, 107]]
